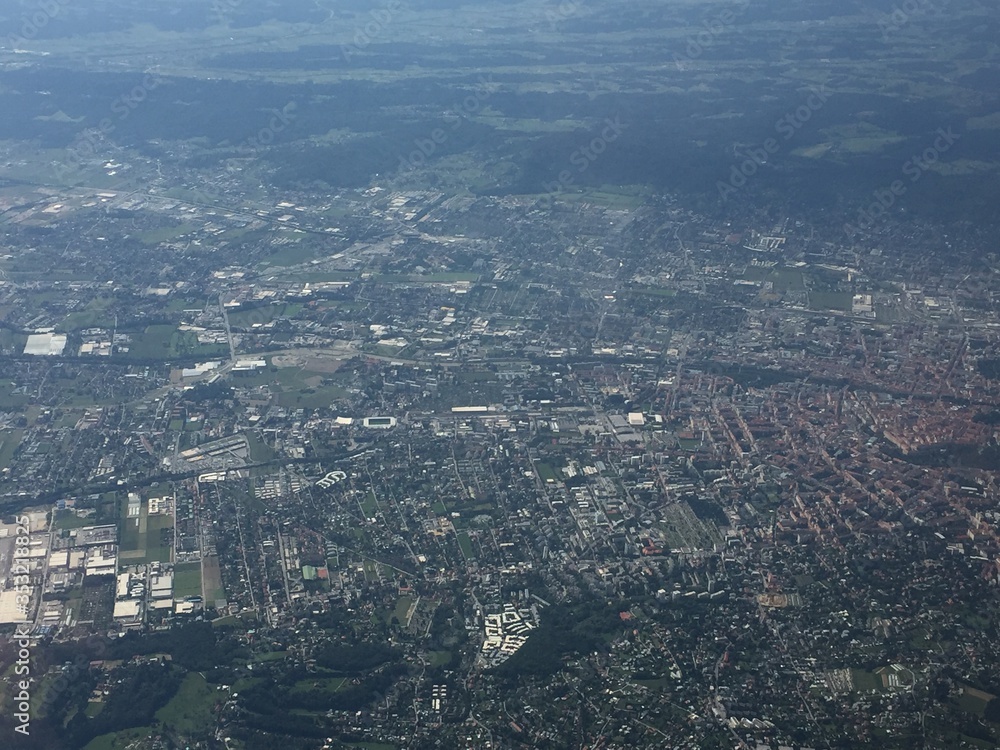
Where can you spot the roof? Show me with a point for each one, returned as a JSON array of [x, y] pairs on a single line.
[[45, 344], [127, 609], [10, 610]]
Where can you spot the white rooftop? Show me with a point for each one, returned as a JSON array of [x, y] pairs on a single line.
[[45, 344]]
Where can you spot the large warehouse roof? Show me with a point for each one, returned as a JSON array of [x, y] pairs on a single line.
[[45, 344]]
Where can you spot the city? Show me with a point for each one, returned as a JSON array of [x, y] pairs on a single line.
[[450, 374]]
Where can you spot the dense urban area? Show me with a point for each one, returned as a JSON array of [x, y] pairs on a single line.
[[657, 481]]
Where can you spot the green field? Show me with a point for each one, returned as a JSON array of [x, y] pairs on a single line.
[[130, 537], [293, 253], [118, 740], [212, 580], [259, 450], [165, 234], [93, 315], [145, 538], [325, 684], [189, 712], [369, 506], [866, 682], [856, 138], [438, 658], [652, 291], [262, 315], [296, 387], [786, 280], [187, 580], [241, 620], [403, 605], [831, 301], [167, 342], [546, 472], [12, 340], [176, 303], [67, 519], [466, 544], [9, 440], [974, 701], [270, 656]]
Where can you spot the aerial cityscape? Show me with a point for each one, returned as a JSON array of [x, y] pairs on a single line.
[[464, 374]]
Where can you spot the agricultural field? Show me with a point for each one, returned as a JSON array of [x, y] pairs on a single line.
[[297, 387], [187, 580], [67, 519], [94, 314], [145, 538], [261, 315], [165, 233], [167, 342], [212, 580]]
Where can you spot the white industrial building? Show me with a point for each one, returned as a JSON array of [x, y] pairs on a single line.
[[45, 344]]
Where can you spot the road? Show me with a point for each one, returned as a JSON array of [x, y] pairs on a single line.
[[229, 332]]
